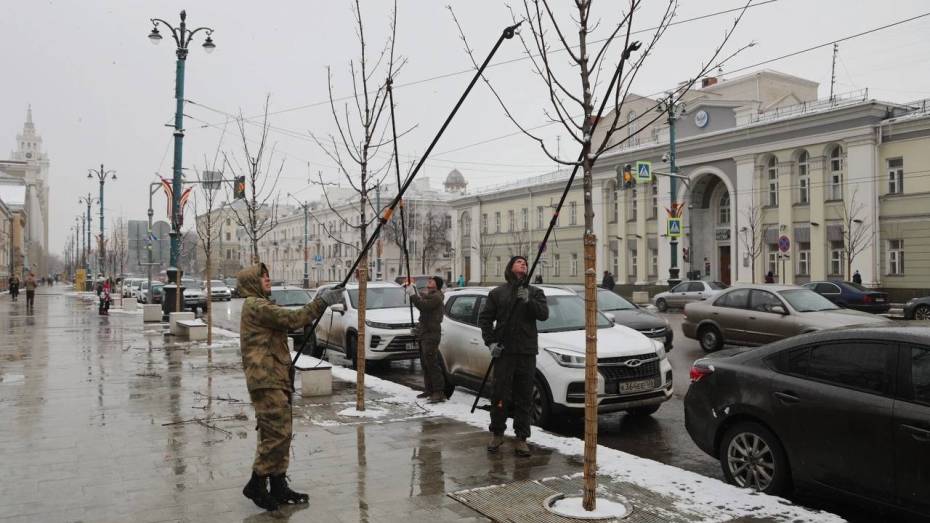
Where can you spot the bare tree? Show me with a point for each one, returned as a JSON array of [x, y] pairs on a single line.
[[752, 234], [257, 214], [361, 132], [485, 249], [521, 243], [435, 241], [208, 233], [393, 232], [574, 110], [857, 234]]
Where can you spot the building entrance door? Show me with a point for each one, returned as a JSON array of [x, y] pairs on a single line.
[[724, 257], [467, 269]]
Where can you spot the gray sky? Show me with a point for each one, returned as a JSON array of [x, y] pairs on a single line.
[[101, 92]]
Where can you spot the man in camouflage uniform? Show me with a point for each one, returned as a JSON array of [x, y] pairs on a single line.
[[266, 361], [508, 326], [429, 330]]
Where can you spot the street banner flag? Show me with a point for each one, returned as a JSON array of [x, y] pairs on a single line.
[[674, 228], [643, 172], [166, 186]]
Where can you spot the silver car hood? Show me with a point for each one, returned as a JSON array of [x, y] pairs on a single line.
[[841, 318], [612, 342]]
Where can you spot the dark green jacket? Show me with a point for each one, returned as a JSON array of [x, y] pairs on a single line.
[[263, 328], [430, 305]]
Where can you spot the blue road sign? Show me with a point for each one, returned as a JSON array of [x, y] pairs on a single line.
[[643, 172], [673, 229]]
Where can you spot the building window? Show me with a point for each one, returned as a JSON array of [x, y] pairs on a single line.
[[804, 259], [896, 257], [540, 219], [633, 260], [228, 236], [510, 221], [633, 200], [836, 258], [653, 262], [803, 178], [497, 221], [614, 207], [836, 173], [654, 211], [723, 216], [484, 223], [526, 219], [896, 176], [573, 268], [556, 265], [573, 213], [497, 265], [772, 171], [773, 259]]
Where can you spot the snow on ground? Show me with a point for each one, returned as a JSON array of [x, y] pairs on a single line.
[[369, 412], [572, 508]]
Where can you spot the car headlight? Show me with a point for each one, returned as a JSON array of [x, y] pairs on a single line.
[[659, 347], [378, 325], [566, 358]]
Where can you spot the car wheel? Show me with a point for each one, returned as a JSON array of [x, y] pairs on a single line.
[[661, 305], [710, 338], [644, 411], [542, 404], [752, 457], [922, 312]]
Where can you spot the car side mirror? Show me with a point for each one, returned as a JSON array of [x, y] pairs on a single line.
[[339, 307], [778, 309], [611, 317]]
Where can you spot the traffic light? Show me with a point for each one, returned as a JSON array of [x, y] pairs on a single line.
[[625, 177], [239, 188]]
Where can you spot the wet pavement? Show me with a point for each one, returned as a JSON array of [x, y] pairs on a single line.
[[107, 420]]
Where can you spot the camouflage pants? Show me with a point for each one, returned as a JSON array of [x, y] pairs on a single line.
[[273, 416], [433, 379], [513, 393]]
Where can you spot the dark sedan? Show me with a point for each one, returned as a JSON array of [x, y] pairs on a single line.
[[846, 412], [917, 309], [851, 296], [629, 315]]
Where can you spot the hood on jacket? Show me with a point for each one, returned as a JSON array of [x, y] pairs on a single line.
[[508, 273], [250, 281]]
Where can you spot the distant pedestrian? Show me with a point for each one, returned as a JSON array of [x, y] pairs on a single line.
[[104, 308], [608, 281], [14, 287], [857, 278], [770, 277], [30, 293], [508, 327], [429, 330], [460, 282], [266, 361]]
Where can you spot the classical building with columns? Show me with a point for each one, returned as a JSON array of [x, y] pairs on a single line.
[[775, 179]]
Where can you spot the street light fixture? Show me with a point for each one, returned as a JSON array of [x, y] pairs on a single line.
[[102, 177]]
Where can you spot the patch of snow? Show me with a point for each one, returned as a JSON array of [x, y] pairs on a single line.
[[572, 508], [369, 412], [12, 378]]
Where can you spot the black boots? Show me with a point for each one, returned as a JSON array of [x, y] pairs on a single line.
[[257, 490], [283, 494]]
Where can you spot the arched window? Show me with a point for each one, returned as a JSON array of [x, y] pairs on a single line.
[[723, 209], [772, 171], [836, 173], [803, 178]]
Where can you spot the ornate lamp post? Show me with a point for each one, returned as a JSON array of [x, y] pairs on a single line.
[[102, 177], [87, 200]]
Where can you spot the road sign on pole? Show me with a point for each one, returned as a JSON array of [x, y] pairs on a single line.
[[643, 172], [784, 243], [673, 228]]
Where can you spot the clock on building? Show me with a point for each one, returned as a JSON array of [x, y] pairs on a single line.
[[28, 155], [701, 118]]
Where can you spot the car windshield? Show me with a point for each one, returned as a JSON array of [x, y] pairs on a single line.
[[716, 285], [806, 300], [380, 298], [566, 313], [290, 297], [611, 301], [217, 283], [855, 286]]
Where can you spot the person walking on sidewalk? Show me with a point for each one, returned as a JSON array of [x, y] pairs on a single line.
[[608, 281], [266, 361], [30, 292], [14, 287], [508, 326], [104, 307], [429, 329]]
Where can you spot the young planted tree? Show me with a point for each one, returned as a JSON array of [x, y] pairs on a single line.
[[257, 212], [857, 234], [208, 231], [361, 133], [752, 234], [433, 238], [485, 249], [603, 45]]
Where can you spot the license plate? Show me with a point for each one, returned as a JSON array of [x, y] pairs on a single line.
[[411, 346], [879, 300], [632, 387]]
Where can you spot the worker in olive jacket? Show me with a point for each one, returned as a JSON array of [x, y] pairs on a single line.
[[429, 330], [266, 361]]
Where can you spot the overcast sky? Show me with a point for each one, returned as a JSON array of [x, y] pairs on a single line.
[[102, 93]]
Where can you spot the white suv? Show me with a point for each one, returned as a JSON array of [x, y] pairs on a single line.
[[634, 373], [387, 324]]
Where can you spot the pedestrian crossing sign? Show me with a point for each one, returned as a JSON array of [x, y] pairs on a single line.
[[674, 228], [643, 172]]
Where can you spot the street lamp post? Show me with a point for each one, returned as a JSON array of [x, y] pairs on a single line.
[[87, 200], [102, 178], [306, 207], [182, 37], [674, 110]]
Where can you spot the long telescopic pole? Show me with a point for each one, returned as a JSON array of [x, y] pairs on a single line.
[[555, 216], [507, 34], [403, 224]]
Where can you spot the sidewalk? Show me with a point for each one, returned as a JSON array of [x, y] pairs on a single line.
[[107, 420]]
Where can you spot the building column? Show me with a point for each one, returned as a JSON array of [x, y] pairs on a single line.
[[475, 247], [817, 189], [742, 202], [599, 201], [643, 200], [620, 234], [785, 219], [663, 241], [861, 195]]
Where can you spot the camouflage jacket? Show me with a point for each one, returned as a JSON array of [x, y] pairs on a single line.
[[430, 305], [263, 328]]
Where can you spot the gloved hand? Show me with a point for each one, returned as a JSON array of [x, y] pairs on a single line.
[[496, 349], [410, 290], [523, 294], [332, 296]]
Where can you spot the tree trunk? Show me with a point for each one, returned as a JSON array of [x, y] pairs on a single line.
[[360, 344], [209, 297]]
